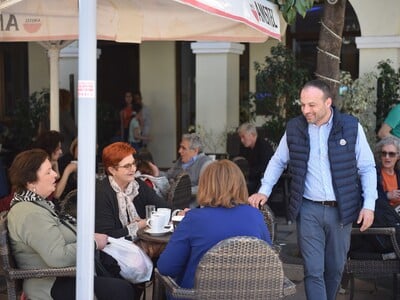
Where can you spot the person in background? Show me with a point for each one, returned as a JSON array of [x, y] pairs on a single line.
[[328, 156], [387, 153], [192, 159], [147, 171], [70, 176], [222, 196], [51, 141], [145, 116], [136, 137], [67, 124], [257, 152], [41, 239], [121, 199], [125, 116], [391, 125]]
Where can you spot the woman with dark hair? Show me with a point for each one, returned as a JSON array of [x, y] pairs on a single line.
[[50, 141], [224, 213], [41, 239]]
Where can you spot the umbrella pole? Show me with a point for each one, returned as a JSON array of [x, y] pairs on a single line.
[[87, 148]]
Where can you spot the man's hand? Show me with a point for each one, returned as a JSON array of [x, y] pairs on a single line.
[[366, 217], [257, 200]]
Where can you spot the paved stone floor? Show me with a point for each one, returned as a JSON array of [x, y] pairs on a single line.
[[364, 289]]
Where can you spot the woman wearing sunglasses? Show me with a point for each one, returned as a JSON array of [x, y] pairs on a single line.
[[387, 157]]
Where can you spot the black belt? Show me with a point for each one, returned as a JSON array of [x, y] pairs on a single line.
[[325, 203]]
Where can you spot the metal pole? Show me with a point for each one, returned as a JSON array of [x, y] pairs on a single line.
[[87, 148]]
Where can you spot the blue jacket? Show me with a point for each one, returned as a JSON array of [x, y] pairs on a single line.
[[345, 179], [201, 229]]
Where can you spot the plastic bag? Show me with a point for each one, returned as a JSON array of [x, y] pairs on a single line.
[[135, 265]]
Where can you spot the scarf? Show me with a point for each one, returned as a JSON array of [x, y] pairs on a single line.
[[29, 196], [127, 210]]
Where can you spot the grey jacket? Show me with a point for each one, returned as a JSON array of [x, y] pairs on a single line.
[[39, 240], [194, 170]]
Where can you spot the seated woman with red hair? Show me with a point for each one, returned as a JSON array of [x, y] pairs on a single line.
[[121, 199]]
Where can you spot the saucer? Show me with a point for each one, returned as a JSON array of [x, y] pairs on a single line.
[[158, 233]]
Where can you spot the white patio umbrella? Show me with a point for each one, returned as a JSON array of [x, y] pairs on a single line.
[[123, 21], [135, 21]]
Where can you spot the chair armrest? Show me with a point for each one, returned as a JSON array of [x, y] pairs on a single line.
[[172, 287], [14, 274], [389, 231], [289, 288]]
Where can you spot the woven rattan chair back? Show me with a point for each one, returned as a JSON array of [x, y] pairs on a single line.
[[269, 219], [7, 261], [240, 268], [13, 275], [237, 268], [180, 193], [375, 266], [69, 203]]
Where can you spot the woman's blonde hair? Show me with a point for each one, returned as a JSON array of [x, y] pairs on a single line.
[[222, 184]]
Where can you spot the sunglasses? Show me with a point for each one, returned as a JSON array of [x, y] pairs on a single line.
[[390, 154]]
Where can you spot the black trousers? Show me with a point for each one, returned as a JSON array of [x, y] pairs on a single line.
[[105, 288]]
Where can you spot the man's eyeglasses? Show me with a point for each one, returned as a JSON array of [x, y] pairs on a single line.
[[127, 166], [390, 154]]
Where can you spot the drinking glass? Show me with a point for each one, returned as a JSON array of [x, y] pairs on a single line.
[[149, 210]]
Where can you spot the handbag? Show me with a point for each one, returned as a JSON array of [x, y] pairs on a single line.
[[136, 266]]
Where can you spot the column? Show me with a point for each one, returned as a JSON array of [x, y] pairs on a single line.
[[217, 91]]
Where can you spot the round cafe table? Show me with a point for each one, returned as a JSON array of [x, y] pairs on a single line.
[[153, 245]]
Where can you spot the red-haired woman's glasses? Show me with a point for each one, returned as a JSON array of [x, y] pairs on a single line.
[[127, 166], [390, 154]]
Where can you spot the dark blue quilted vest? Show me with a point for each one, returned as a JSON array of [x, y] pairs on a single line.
[[345, 179]]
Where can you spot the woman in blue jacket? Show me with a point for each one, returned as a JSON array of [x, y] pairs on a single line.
[[224, 213]]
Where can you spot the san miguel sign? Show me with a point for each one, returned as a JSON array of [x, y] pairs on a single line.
[[262, 15]]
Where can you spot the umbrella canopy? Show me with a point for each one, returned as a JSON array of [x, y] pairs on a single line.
[[139, 20], [123, 21]]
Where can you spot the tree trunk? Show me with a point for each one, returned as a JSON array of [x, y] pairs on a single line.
[[330, 44]]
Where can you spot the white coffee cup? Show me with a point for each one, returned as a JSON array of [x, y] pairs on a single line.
[[176, 212], [166, 212], [156, 222]]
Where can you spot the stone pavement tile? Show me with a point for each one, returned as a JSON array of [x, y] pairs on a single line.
[[364, 289]]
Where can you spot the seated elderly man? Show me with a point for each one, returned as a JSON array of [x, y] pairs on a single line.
[[257, 151], [192, 159]]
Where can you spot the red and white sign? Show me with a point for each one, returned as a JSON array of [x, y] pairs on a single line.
[[86, 89], [262, 15]]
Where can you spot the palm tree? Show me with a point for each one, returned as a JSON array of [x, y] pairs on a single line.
[[330, 37]]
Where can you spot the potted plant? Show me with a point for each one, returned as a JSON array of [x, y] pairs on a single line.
[[278, 82]]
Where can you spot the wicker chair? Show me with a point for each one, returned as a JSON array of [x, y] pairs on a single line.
[[269, 219], [13, 275], [236, 268], [180, 192], [373, 266], [68, 204]]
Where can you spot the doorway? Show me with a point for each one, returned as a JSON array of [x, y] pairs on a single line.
[[117, 72]]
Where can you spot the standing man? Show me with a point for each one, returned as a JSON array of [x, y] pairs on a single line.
[[257, 152], [333, 184], [391, 125]]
